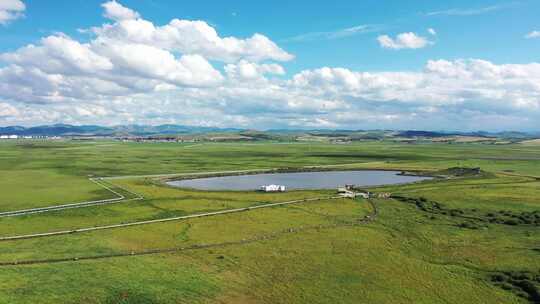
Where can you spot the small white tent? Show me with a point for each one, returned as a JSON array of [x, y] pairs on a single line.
[[273, 188]]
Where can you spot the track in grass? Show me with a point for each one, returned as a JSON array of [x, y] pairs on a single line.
[[105, 183], [98, 181], [269, 236], [169, 219]]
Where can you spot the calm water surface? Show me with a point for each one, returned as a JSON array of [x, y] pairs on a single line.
[[301, 180]]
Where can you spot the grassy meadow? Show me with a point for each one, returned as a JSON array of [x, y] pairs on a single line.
[[460, 240]]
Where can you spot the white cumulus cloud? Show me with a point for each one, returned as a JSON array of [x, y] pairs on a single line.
[[115, 11], [130, 56], [11, 10], [244, 70], [408, 40], [192, 37], [134, 71], [474, 84]]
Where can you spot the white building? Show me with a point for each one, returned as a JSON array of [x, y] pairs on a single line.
[[273, 188], [362, 194]]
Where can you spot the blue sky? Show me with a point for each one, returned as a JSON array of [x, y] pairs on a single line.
[[491, 30], [352, 36]]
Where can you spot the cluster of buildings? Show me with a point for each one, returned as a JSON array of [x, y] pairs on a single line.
[[154, 139], [350, 192]]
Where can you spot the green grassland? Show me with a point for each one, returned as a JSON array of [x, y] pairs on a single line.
[[480, 245]]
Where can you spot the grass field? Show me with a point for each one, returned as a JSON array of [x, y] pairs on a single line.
[[480, 245]]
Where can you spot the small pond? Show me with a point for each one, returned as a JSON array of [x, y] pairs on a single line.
[[299, 180]]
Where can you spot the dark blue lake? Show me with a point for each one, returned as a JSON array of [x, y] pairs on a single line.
[[300, 180]]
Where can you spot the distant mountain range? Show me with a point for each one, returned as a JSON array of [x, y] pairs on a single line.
[[122, 130], [504, 134], [169, 129]]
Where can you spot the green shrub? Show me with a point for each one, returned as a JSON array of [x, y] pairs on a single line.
[[499, 277], [511, 222]]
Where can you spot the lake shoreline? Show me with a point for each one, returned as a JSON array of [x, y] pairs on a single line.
[[310, 179]]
